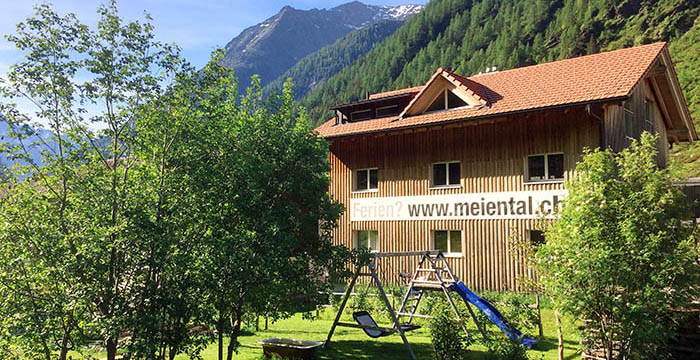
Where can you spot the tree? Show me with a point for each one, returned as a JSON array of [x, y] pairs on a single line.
[[71, 248], [622, 252], [260, 179]]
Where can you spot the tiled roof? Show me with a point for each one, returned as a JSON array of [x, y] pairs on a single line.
[[380, 95], [604, 76]]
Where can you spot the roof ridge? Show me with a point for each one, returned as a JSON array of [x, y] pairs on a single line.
[[602, 53], [571, 59]]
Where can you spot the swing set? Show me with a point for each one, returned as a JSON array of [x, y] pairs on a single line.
[[433, 273]]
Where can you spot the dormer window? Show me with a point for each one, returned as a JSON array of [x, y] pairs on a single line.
[[385, 111], [361, 115], [445, 91], [446, 100]]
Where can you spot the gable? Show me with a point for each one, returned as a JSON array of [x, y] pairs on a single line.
[[444, 88]]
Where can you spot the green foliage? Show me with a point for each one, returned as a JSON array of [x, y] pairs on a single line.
[[622, 252], [686, 57], [503, 348], [73, 257], [516, 311], [468, 36], [192, 209], [449, 341]]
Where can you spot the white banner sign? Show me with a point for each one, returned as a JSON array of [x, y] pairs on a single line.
[[497, 205]]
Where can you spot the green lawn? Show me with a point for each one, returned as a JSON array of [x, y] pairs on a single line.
[[351, 343]]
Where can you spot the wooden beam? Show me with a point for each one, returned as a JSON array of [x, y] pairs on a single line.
[[677, 133], [660, 100], [658, 70]]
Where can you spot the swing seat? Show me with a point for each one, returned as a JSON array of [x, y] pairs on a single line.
[[363, 318]]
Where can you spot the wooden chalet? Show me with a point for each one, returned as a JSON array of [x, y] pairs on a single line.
[[464, 164]]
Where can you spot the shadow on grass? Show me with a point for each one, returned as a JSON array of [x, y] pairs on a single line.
[[354, 349]]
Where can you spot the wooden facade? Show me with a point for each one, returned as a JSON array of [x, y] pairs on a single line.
[[492, 156]]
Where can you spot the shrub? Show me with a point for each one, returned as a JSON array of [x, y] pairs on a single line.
[[503, 348], [449, 341], [622, 252]]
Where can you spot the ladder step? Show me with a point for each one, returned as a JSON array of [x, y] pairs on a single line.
[[431, 285], [420, 316], [433, 282]]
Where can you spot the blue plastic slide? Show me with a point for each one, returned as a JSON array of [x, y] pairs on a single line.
[[493, 314]]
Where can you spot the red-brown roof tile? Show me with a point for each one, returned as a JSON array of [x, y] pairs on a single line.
[[604, 76], [380, 95]]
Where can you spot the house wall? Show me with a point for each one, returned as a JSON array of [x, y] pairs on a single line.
[[626, 120], [492, 157]]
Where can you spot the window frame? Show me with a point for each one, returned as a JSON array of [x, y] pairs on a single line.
[[447, 175], [449, 253], [356, 239], [369, 189], [526, 175]]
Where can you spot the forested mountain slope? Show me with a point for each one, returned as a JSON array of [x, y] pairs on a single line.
[[314, 69], [468, 36], [685, 52]]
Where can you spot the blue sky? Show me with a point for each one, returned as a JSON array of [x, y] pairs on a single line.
[[198, 26]]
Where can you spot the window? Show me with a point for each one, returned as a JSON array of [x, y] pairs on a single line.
[[446, 100], [536, 237], [446, 174], [366, 179], [545, 167], [361, 115], [649, 116], [387, 111], [367, 239], [448, 241]]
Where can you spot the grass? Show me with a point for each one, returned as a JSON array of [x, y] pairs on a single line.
[[348, 343]]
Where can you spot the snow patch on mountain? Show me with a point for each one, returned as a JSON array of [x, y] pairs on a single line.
[[399, 12]]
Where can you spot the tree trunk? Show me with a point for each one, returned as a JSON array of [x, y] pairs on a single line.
[[234, 334], [220, 330], [64, 348], [111, 348], [560, 337], [539, 316]]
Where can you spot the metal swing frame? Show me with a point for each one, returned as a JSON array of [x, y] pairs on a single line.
[[433, 273]]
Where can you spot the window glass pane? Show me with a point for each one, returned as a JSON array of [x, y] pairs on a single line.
[[362, 241], [441, 240], [456, 241], [373, 235], [454, 173], [388, 111], [438, 104], [361, 115], [555, 163], [454, 101], [373, 179], [362, 180], [536, 237], [439, 174], [535, 167]]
